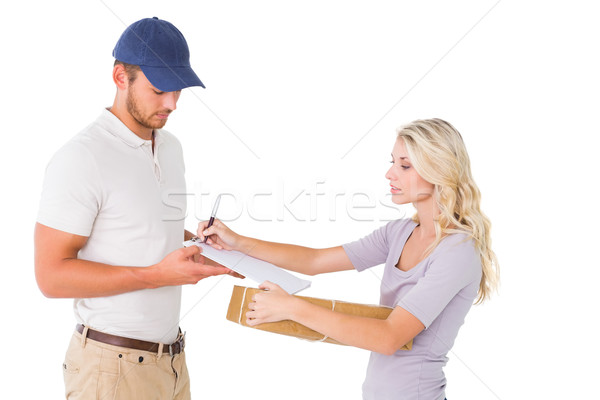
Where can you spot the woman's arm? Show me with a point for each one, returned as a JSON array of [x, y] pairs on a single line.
[[301, 259], [382, 336]]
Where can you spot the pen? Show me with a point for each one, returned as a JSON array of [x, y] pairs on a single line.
[[213, 215]]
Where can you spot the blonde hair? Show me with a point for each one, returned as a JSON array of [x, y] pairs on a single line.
[[438, 154]]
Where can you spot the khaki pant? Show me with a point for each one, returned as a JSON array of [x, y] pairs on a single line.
[[94, 370]]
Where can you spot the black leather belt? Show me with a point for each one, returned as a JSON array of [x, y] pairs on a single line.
[[172, 349]]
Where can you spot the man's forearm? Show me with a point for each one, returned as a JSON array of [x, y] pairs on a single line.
[[76, 278]]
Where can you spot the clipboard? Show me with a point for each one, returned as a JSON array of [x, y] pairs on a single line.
[[253, 268]]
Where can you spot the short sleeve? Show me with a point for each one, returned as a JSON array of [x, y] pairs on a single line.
[[71, 196], [453, 270], [369, 251]]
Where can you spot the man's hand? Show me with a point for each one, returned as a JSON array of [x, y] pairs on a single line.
[[208, 261], [185, 266]]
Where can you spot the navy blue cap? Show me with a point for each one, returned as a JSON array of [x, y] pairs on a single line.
[[161, 52]]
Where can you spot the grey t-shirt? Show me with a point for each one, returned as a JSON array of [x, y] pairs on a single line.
[[439, 291]]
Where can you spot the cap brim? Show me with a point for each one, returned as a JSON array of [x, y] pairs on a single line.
[[171, 79]]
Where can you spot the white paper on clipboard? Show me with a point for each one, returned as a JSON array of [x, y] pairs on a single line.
[[253, 268]]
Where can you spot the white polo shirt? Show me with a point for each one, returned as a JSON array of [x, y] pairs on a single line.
[[107, 184]]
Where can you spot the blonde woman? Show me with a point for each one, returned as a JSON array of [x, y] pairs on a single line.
[[436, 265]]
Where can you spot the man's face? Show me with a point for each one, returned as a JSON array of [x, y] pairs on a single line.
[[149, 106]]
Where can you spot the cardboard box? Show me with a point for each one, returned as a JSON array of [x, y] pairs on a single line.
[[242, 296]]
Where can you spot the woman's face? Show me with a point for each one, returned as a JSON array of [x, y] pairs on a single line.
[[407, 186]]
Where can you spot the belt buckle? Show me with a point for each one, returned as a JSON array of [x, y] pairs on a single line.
[[181, 341]]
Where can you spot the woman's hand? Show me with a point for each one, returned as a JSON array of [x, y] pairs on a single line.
[[219, 235], [272, 305]]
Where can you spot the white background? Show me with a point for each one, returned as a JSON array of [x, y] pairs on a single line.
[[312, 91]]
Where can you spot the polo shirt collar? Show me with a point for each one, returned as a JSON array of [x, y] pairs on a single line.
[[117, 128]]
